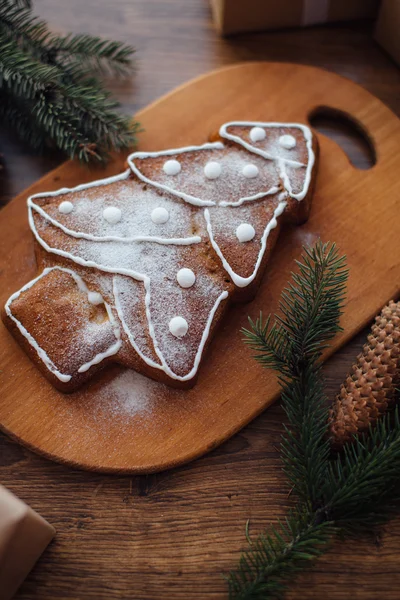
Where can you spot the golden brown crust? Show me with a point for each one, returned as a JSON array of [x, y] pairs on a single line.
[[54, 310]]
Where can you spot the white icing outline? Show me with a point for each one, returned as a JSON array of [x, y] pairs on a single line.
[[118, 308], [270, 192], [199, 352], [164, 366], [196, 239], [111, 350], [281, 161], [188, 197], [40, 352], [238, 280], [107, 238], [146, 281]]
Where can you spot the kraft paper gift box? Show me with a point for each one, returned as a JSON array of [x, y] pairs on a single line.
[[23, 537], [234, 16], [387, 31]]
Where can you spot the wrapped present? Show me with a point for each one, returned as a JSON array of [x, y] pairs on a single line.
[[387, 31], [23, 537], [235, 16]]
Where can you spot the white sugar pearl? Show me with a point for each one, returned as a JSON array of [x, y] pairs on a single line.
[[95, 298], [212, 170], [250, 171], [159, 215], [65, 207], [185, 278], [245, 232], [287, 141], [178, 326], [172, 167], [112, 214], [257, 134]]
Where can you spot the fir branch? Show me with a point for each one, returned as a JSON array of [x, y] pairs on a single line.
[[265, 569], [305, 449], [27, 30], [97, 113], [311, 307], [21, 74], [11, 112], [354, 492], [52, 82], [103, 56], [65, 129], [362, 484]]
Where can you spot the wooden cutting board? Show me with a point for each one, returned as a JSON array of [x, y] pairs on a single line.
[[124, 423]]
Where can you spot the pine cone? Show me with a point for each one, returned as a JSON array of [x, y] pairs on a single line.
[[369, 391]]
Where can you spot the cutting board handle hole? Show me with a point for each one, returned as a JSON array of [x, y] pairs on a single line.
[[347, 132]]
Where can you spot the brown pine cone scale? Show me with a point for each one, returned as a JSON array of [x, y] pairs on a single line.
[[370, 389]]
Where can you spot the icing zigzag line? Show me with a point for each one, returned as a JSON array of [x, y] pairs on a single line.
[[187, 197], [146, 281], [238, 279], [93, 238], [113, 349], [195, 239], [282, 162]]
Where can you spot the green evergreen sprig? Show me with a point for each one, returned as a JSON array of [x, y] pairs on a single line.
[[277, 555], [349, 493], [310, 307], [50, 90]]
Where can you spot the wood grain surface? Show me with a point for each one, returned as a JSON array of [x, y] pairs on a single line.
[[88, 428], [170, 535]]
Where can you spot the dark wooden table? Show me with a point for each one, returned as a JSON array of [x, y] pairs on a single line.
[[171, 535]]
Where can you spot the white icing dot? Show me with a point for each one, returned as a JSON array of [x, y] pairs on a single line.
[[186, 278], [287, 141], [112, 214], [250, 171], [172, 167], [257, 134], [95, 298], [178, 326], [245, 232], [212, 170], [159, 215], [65, 207]]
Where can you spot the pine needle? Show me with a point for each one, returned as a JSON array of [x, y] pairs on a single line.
[[265, 568], [51, 87], [350, 493]]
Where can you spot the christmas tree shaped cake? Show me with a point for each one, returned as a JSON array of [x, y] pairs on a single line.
[[139, 268]]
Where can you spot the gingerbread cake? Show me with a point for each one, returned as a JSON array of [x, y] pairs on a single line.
[[140, 268]]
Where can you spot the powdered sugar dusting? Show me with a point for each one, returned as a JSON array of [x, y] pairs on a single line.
[[230, 186], [129, 394], [135, 204], [140, 234], [159, 263]]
